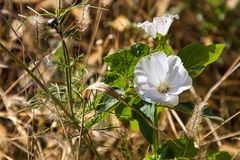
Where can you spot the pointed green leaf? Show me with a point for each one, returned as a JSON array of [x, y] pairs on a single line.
[[106, 105], [180, 148], [146, 130], [221, 155], [124, 112], [115, 80], [123, 61], [196, 57], [145, 109]]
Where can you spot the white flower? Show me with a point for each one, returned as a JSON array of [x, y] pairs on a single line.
[[159, 25], [160, 79]]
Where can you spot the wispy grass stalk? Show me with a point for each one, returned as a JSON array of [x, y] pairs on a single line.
[[39, 82], [55, 100]]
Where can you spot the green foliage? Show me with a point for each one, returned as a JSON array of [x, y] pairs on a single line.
[[57, 53], [196, 57], [188, 109], [219, 156], [105, 105], [122, 64], [123, 61], [123, 112], [162, 45], [134, 125], [145, 128], [180, 148], [115, 80], [147, 112]]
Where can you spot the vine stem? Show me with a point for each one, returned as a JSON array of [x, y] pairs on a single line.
[[155, 130]]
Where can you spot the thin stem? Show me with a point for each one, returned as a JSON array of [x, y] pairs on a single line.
[[98, 18], [52, 97], [68, 74], [44, 88], [82, 122], [155, 130]]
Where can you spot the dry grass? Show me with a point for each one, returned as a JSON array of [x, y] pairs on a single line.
[[39, 133]]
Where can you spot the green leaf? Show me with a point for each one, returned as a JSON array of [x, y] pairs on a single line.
[[188, 109], [123, 61], [115, 80], [134, 125], [58, 53], [145, 128], [152, 157], [208, 113], [162, 44], [123, 112], [166, 48], [106, 105], [180, 148], [219, 156], [148, 110], [196, 57]]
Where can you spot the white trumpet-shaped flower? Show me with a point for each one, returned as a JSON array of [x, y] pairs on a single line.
[[160, 79], [159, 25]]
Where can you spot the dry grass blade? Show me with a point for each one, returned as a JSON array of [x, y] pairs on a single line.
[[233, 67], [172, 124], [100, 86], [230, 135], [196, 119], [217, 139], [31, 68], [3, 65], [179, 121], [227, 120], [96, 25]]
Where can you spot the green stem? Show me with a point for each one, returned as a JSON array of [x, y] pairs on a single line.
[[67, 66], [45, 89], [52, 97], [155, 130], [68, 74]]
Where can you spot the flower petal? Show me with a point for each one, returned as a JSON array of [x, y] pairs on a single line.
[[151, 30], [163, 23], [153, 96], [159, 25], [143, 25], [148, 27], [178, 77], [154, 67]]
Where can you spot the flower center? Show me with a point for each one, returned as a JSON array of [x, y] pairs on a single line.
[[162, 88]]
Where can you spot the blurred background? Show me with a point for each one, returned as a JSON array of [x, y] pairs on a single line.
[[205, 22]]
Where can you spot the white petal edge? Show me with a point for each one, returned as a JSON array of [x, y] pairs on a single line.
[[164, 23], [158, 25], [179, 89], [153, 96], [177, 75]]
